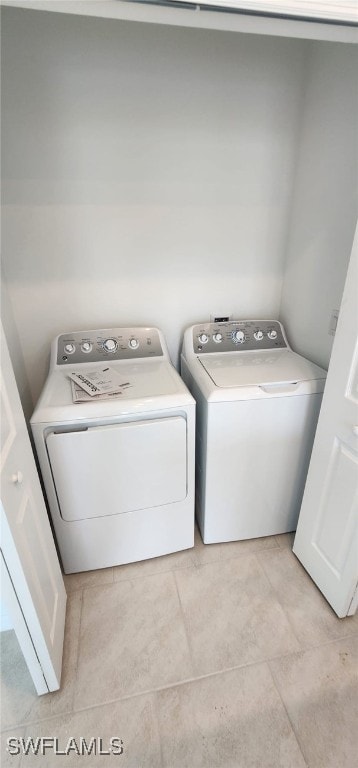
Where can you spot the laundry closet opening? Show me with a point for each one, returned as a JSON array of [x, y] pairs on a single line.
[[157, 174]]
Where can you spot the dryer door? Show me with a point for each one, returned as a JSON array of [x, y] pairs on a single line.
[[116, 469]]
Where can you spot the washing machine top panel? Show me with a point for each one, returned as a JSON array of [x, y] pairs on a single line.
[[252, 369], [148, 386]]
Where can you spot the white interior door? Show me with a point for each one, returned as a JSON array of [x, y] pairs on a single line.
[[18, 624], [326, 541], [27, 545]]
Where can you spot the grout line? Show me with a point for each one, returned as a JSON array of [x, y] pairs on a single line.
[[300, 746], [274, 590], [317, 591], [283, 546], [248, 553], [194, 563], [146, 692], [178, 683], [130, 577], [155, 705], [72, 599], [154, 573], [260, 559], [191, 654], [75, 676], [82, 587]]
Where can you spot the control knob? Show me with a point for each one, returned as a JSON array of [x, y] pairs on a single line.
[[110, 345], [238, 337], [133, 343], [86, 346], [272, 334], [218, 337], [203, 338], [69, 349], [258, 335]]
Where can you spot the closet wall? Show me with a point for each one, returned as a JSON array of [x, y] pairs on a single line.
[[325, 202], [150, 177], [148, 174]]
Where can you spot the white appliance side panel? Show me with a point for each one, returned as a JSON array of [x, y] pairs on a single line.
[[108, 470], [257, 455], [200, 438]]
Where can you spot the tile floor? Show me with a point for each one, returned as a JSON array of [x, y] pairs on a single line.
[[217, 657]]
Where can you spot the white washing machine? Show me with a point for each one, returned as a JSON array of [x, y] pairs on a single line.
[[257, 409], [118, 472]]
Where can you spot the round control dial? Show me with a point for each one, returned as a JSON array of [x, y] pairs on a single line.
[[272, 334], [218, 337], [258, 335], [238, 337], [203, 338], [110, 345], [69, 349], [133, 343], [86, 346]]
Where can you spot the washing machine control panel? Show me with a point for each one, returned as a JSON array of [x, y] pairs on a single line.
[[238, 335], [108, 344]]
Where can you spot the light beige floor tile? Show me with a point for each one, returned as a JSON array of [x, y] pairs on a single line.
[[20, 702], [171, 562], [209, 553], [311, 617], [285, 540], [132, 639], [17, 689], [75, 581], [133, 721], [232, 720], [232, 615], [319, 688], [8, 760]]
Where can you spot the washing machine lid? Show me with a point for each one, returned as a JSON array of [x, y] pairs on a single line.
[[252, 369], [149, 385]]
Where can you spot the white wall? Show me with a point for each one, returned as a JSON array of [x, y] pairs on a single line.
[[147, 174], [325, 203]]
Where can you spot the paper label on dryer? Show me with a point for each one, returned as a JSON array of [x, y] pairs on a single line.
[[80, 396], [102, 382]]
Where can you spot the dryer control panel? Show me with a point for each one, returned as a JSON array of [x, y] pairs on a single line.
[[238, 336], [107, 344]]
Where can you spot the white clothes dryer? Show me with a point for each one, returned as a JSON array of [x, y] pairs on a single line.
[[257, 409], [118, 472]]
